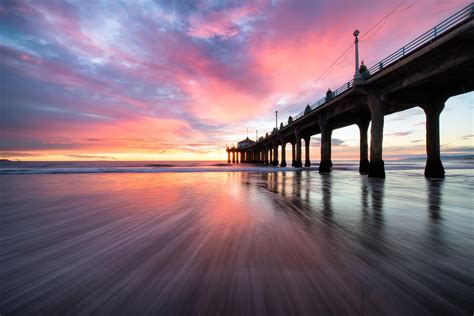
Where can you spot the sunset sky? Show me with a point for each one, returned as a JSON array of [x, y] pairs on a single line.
[[178, 80]]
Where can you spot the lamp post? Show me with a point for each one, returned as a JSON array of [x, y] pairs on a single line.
[[256, 135], [276, 119], [357, 76]]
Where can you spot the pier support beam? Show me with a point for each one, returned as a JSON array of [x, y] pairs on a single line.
[[275, 154], [267, 158], [293, 154], [237, 157], [298, 163], [283, 153], [228, 156], [271, 155], [233, 157], [326, 133], [377, 111], [307, 161], [364, 164], [434, 167]]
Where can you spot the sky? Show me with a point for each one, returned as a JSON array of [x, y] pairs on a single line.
[[180, 80]]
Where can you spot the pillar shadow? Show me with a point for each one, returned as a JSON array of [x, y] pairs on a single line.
[[297, 178], [373, 235], [364, 201], [307, 187], [434, 189], [283, 183], [377, 188], [364, 195], [326, 182]]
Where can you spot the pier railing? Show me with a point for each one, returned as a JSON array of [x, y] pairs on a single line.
[[459, 17]]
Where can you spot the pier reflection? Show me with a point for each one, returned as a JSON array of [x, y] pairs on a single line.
[[313, 193]]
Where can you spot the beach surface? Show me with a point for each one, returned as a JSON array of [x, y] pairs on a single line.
[[236, 242]]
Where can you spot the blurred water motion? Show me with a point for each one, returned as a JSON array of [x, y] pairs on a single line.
[[236, 243]]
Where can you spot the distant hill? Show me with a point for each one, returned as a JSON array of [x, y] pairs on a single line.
[[5, 160], [448, 157]]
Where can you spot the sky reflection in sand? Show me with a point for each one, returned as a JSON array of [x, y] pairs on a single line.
[[231, 242]]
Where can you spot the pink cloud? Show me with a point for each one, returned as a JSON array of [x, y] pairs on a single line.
[[217, 23]]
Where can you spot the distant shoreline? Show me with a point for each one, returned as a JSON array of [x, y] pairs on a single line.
[[457, 157]]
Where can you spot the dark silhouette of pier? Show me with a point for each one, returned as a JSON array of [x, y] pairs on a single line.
[[424, 73]]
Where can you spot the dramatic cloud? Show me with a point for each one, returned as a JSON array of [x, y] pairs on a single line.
[[173, 78], [90, 157], [400, 133], [16, 154], [467, 137]]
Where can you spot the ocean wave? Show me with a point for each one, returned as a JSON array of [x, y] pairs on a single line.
[[139, 170], [216, 167], [161, 165]]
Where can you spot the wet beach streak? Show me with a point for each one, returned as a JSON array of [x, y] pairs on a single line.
[[236, 242]]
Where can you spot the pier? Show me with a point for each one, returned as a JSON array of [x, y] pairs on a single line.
[[424, 73]]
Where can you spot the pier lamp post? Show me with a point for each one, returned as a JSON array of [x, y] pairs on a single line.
[[357, 76], [276, 119], [256, 135]]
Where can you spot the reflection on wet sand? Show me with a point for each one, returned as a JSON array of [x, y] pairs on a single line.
[[435, 239], [434, 189], [326, 191], [238, 243]]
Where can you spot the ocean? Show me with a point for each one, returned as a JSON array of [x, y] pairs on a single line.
[[212, 238], [45, 167]]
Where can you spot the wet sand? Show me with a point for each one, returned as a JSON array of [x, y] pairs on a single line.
[[237, 243]]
